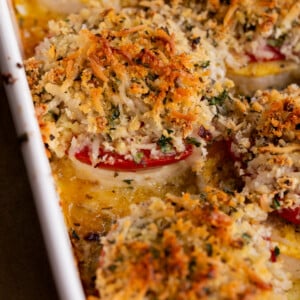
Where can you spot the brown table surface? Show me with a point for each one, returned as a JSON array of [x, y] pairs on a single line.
[[24, 269]]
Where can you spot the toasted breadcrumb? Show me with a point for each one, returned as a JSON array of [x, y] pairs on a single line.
[[266, 143], [121, 81], [194, 247]]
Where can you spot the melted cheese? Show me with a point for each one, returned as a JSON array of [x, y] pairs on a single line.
[[261, 69], [264, 75]]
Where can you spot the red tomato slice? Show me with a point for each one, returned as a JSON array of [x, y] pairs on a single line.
[[275, 55], [114, 161], [290, 214], [231, 153]]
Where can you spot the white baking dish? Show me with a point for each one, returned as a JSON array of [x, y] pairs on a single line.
[[47, 202]]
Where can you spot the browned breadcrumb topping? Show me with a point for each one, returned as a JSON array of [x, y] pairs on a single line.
[[186, 247], [121, 81], [244, 31], [153, 77], [266, 143]]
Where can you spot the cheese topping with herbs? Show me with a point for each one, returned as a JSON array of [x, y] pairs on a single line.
[[266, 142], [261, 29], [121, 81], [150, 78], [210, 246]]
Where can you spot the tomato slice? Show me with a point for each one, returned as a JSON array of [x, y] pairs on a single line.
[[114, 161], [234, 157], [275, 55], [290, 214]]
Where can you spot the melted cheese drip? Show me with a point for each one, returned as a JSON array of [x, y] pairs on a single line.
[[33, 20], [86, 202]]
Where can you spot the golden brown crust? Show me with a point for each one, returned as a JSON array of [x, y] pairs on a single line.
[[122, 84], [183, 247]]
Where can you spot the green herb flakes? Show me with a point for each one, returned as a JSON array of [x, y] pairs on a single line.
[[165, 144], [193, 141], [218, 100]]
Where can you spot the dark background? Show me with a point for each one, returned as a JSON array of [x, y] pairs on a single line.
[[24, 269]]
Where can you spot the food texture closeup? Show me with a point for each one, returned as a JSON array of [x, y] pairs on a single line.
[[173, 133]]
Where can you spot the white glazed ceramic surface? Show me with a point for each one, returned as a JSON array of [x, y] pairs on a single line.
[[50, 214]]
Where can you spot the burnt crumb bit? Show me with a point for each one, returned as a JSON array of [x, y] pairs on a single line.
[[195, 42], [288, 106], [19, 65], [8, 78], [23, 138], [92, 237], [205, 134]]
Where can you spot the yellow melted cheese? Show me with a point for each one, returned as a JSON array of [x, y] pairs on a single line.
[[91, 209], [86, 202], [260, 69], [33, 22]]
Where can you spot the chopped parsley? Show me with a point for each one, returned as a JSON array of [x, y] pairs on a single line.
[[227, 190], [205, 64], [276, 251], [128, 181], [115, 113], [138, 157], [165, 144], [165, 29], [155, 252], [276, 42], [112, 267], [195, 42], [193, 265], [276, 202], [170, 131], [209, 249], [152, 76], [218, 100], [246, 237], [193, 141], [115, 83]]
